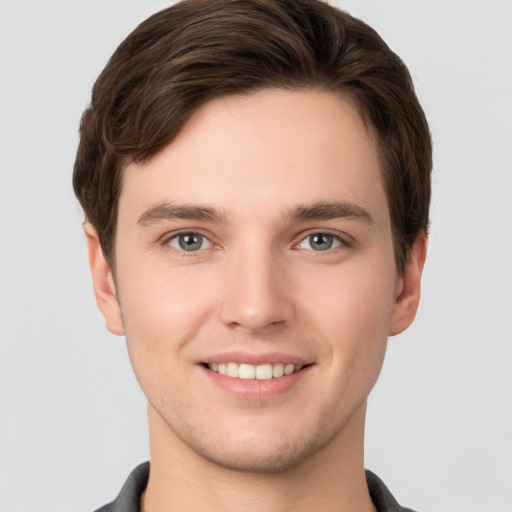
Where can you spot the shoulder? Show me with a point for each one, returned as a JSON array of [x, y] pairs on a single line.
[[128, 499], [381, 496]]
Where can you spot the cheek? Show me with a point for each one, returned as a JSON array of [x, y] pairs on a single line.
[[351, 309], [161, 316], [160, 294], [356, 299], [163, 310]]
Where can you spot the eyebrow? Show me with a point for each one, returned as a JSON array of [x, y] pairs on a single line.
[[327, 211], [168, 211], [301, 213]]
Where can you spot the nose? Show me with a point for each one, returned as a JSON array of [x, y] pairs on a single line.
[[256, 291]]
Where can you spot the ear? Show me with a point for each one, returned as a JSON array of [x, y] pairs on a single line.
[[408, 289], [103, 283]]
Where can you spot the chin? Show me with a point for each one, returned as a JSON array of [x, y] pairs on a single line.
[[252, 459], [259, 450]]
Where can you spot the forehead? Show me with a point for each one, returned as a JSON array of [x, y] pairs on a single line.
[[263, 150]]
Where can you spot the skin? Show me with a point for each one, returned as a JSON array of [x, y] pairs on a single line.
[[258, 286]]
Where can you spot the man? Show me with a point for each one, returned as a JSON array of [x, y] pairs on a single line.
[[255, 176]]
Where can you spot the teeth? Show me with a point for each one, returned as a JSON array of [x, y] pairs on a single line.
[[250, 371], [246, 371], [232, 370], [264, 371], [278, 370], [288, 369]]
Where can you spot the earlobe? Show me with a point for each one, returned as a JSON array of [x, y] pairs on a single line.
[[103, 283], [409, 287]]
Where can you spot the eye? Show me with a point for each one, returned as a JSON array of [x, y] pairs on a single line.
[[189, 242], [320, 242]]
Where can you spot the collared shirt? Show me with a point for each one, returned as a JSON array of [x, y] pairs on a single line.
[[130, 495]]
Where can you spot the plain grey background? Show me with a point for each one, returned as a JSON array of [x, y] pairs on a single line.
[[72, 419]]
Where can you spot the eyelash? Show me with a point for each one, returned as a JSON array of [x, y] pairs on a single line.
[[175, 236], [337, 239]]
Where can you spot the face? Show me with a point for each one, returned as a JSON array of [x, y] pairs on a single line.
[[255, 278]]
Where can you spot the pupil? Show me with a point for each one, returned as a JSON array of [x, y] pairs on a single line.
[[190, 242], [321, 241]]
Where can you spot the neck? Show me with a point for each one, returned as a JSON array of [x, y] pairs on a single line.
[[331, 479]]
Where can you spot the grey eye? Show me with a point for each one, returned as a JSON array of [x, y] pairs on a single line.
[[320, 242], [189, 242]]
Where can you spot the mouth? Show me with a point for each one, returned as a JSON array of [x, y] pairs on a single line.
[[256, 377], [254, 372]]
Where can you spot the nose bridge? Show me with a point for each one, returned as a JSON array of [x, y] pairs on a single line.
[[255, 294]]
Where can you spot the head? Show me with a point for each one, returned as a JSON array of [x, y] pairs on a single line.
[[256, 177], [183, 57]]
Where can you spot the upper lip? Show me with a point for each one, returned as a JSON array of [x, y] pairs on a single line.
[[255, 359]]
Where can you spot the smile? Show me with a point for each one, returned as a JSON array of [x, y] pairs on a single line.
[[250, 371]]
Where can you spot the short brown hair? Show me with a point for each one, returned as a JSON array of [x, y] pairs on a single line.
[[184, 56]]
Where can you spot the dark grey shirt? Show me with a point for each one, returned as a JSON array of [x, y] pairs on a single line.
[[129, 497]]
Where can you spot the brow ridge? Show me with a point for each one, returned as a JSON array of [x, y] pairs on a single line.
[[168, 211], [329, 210], [300, 213]]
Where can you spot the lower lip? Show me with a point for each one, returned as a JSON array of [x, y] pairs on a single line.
[[255, 389]]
